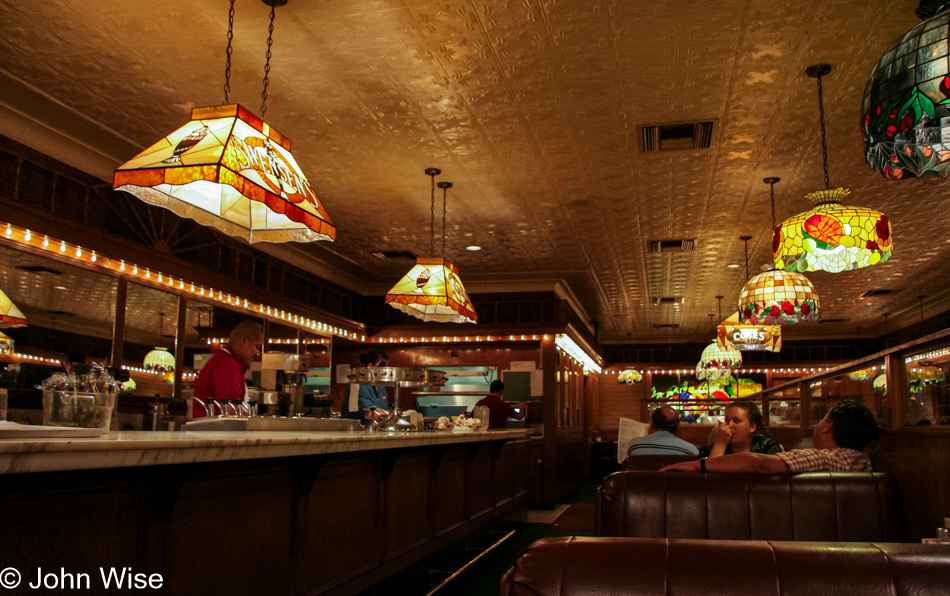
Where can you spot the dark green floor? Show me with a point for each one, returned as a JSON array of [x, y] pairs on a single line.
[[484, 577]]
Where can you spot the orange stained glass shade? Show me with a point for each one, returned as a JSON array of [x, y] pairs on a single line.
[[229, 169], [433, 291], [832, 237], [778, 297], [6, 343], [10, 315]]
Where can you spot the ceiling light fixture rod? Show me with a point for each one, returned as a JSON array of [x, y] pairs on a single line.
[[227, 67], [771, 181], [432, 173], [816, 72], [746, 240], [444, 186], [719, 298]]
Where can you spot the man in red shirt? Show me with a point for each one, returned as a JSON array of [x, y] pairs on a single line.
[[499, 411], [222, 377]]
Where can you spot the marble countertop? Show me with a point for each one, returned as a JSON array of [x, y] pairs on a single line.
[[137, 448]]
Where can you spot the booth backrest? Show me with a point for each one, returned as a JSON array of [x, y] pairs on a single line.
[[815, 506], [659, 567], [652, 463]]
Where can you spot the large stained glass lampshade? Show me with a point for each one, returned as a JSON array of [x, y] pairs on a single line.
[[10, 315], [905, 115], [432, 291], [229, 169], [718, 363], [832, 237], [160, 360], [778, 297]]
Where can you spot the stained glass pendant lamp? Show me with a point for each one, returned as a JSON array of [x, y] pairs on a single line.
[[778, 297], [229, 169], [432, 290], [10, 315], [160, 359], [831, 237], [630, 376], [907, 101], [6, 343], [717, 362]]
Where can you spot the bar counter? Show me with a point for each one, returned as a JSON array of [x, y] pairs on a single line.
[[137, 448], [254, 512]]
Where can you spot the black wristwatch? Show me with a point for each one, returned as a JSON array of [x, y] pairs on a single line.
[[702, 465]]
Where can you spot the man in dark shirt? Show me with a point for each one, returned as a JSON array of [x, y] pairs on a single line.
[[499, 411]]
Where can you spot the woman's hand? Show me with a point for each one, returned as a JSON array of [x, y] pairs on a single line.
[[683, 466], [723, 434]]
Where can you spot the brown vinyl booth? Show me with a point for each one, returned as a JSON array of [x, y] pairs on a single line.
[[658, 567], [652, 463], [814, 506]]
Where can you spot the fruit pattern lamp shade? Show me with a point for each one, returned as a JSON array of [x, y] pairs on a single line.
[[629, 376], [160, 360], [832, 237], [778, 297], [229, 169], [433, 291], [718, 363], [905, 114], [10, 315]]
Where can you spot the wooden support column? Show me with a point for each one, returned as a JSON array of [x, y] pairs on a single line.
[[180, 343], [118, 327], [549, 405], [897, 389]]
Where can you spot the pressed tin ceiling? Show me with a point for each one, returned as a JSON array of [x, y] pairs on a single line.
[[533, 109]]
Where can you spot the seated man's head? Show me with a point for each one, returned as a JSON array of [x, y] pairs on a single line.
[[665, 418], [496, 387], [245, 342], [848, 425]]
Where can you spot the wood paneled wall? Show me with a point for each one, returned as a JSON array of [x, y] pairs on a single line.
[[333, 524]]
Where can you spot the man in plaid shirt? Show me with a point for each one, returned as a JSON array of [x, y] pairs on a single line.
[[839, 440]]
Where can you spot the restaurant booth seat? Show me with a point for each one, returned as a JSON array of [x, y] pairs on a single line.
[[813, 506], [652, 463], [659, 566]]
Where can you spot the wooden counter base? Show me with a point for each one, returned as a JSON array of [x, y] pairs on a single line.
[[320, 519]]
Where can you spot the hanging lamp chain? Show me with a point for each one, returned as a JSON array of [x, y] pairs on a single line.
[[270, 42], [227, 66], [432, 173], [824, 142]]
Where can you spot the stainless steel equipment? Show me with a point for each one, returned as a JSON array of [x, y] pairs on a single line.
[[397, 377]]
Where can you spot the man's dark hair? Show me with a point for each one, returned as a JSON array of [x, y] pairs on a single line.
[[852, 425], [661, 422], [496, 387], [374, 357]]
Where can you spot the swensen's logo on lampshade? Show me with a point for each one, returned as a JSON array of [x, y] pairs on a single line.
[[229, 169]]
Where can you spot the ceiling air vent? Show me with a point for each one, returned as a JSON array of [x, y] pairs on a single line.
[[822, 321], [673, 137], [666, 326], [394, 254], [669, 300], [673, 245], [870, 293]]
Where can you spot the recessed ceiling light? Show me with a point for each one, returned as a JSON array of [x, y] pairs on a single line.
[[733, 266], [473, 248], [59, 287]]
